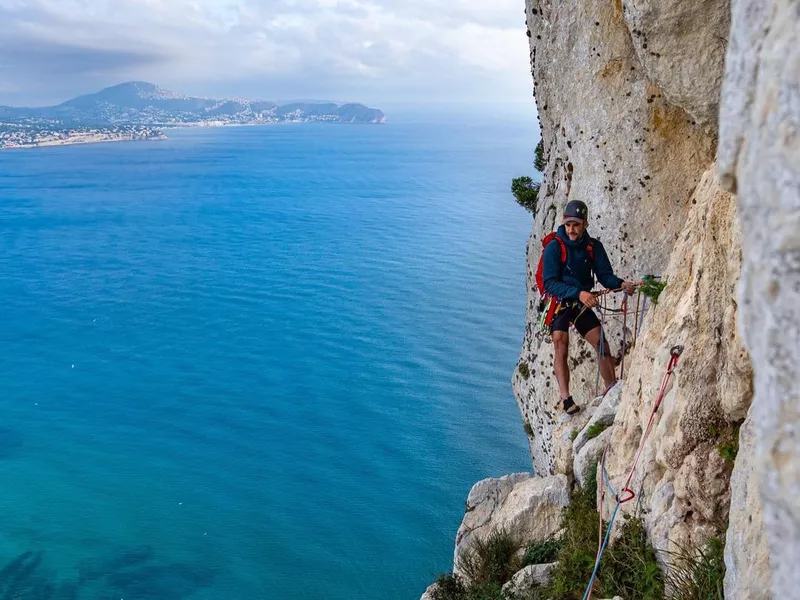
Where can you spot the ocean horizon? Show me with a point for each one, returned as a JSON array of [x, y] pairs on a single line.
[[258, 362]]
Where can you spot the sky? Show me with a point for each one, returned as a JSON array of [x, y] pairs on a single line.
[[380, 52]]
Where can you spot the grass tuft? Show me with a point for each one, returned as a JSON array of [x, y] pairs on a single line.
[[492, 560], [594, 430], [698, 574], [542, 552]]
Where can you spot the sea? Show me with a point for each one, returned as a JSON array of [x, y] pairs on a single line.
[[258, 362]]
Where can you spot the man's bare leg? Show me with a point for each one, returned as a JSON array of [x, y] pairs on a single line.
[[607, 371], [560, 365]]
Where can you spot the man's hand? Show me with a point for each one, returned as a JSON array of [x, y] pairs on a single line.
[[630, 286], [588, 299]]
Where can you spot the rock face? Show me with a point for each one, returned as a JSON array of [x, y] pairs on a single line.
[[759, 157], [747, 571], [526, 578], [633, 97], [682, 47], [682, 475], [612, 139], [530, 507]]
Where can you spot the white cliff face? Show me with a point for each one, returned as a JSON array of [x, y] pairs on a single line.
[[629, 102], [633, 96], [682, 47], [759, 157], [526, 506], [612, 139], [682, 477]]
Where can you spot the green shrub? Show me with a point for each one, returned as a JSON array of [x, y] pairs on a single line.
[[526, 192], [528, 429], [491, 560], [652, 288], [449, 587], [698, 574], [578, 549], [486, 591], [728, 444], [573, 435], [524, 370], [538, 161], [594, 430], [537, 553], [630, 566]]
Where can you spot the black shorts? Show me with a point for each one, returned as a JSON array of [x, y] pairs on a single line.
[[568, 313]]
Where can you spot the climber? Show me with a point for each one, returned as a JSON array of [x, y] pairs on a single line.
[[571, 283]]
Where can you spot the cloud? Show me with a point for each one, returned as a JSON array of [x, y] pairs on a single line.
[[351, 49]]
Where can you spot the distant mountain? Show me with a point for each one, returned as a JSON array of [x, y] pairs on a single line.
[[142, 103]]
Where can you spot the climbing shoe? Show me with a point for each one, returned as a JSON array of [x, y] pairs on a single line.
[[570, 407]]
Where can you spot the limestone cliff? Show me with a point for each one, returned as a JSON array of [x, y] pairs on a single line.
[[628, 94], [759, 158], [677, 122]]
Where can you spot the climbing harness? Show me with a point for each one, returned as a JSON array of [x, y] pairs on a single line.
[[550, 305], [627, 494]]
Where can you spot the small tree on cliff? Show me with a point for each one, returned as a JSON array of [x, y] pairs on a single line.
[[525, 189], [538, 161]]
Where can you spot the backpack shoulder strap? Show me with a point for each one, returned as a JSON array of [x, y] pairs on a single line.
[[553, 236], [590, 248]]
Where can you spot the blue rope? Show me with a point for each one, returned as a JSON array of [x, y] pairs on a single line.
[[605, 539]]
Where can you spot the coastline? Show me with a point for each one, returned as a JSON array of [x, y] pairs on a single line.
[[99, 137], [81, 138]]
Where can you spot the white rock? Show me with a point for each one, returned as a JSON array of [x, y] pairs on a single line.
[[760, 153], [591, 453], [696, 310], [428, 595], [604, 415], [526, 578], [682, 47], [747, 571], [484, 501], [531, 510], [612, 139]]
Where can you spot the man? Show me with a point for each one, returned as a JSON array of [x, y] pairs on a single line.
[[571, 283]]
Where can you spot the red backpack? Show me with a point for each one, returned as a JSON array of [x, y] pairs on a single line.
[[549, 302]]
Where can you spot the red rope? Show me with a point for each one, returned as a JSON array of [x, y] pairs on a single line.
[[626, 493]]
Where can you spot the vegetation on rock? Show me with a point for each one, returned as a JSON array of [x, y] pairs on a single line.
[[630, 567], [594, 430], [524, 370], [652, 288], [526, 192]]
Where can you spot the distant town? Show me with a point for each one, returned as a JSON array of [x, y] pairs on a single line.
[[13, 135], [142, 111]]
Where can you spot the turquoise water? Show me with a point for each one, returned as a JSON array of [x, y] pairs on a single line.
[[256, 363]]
